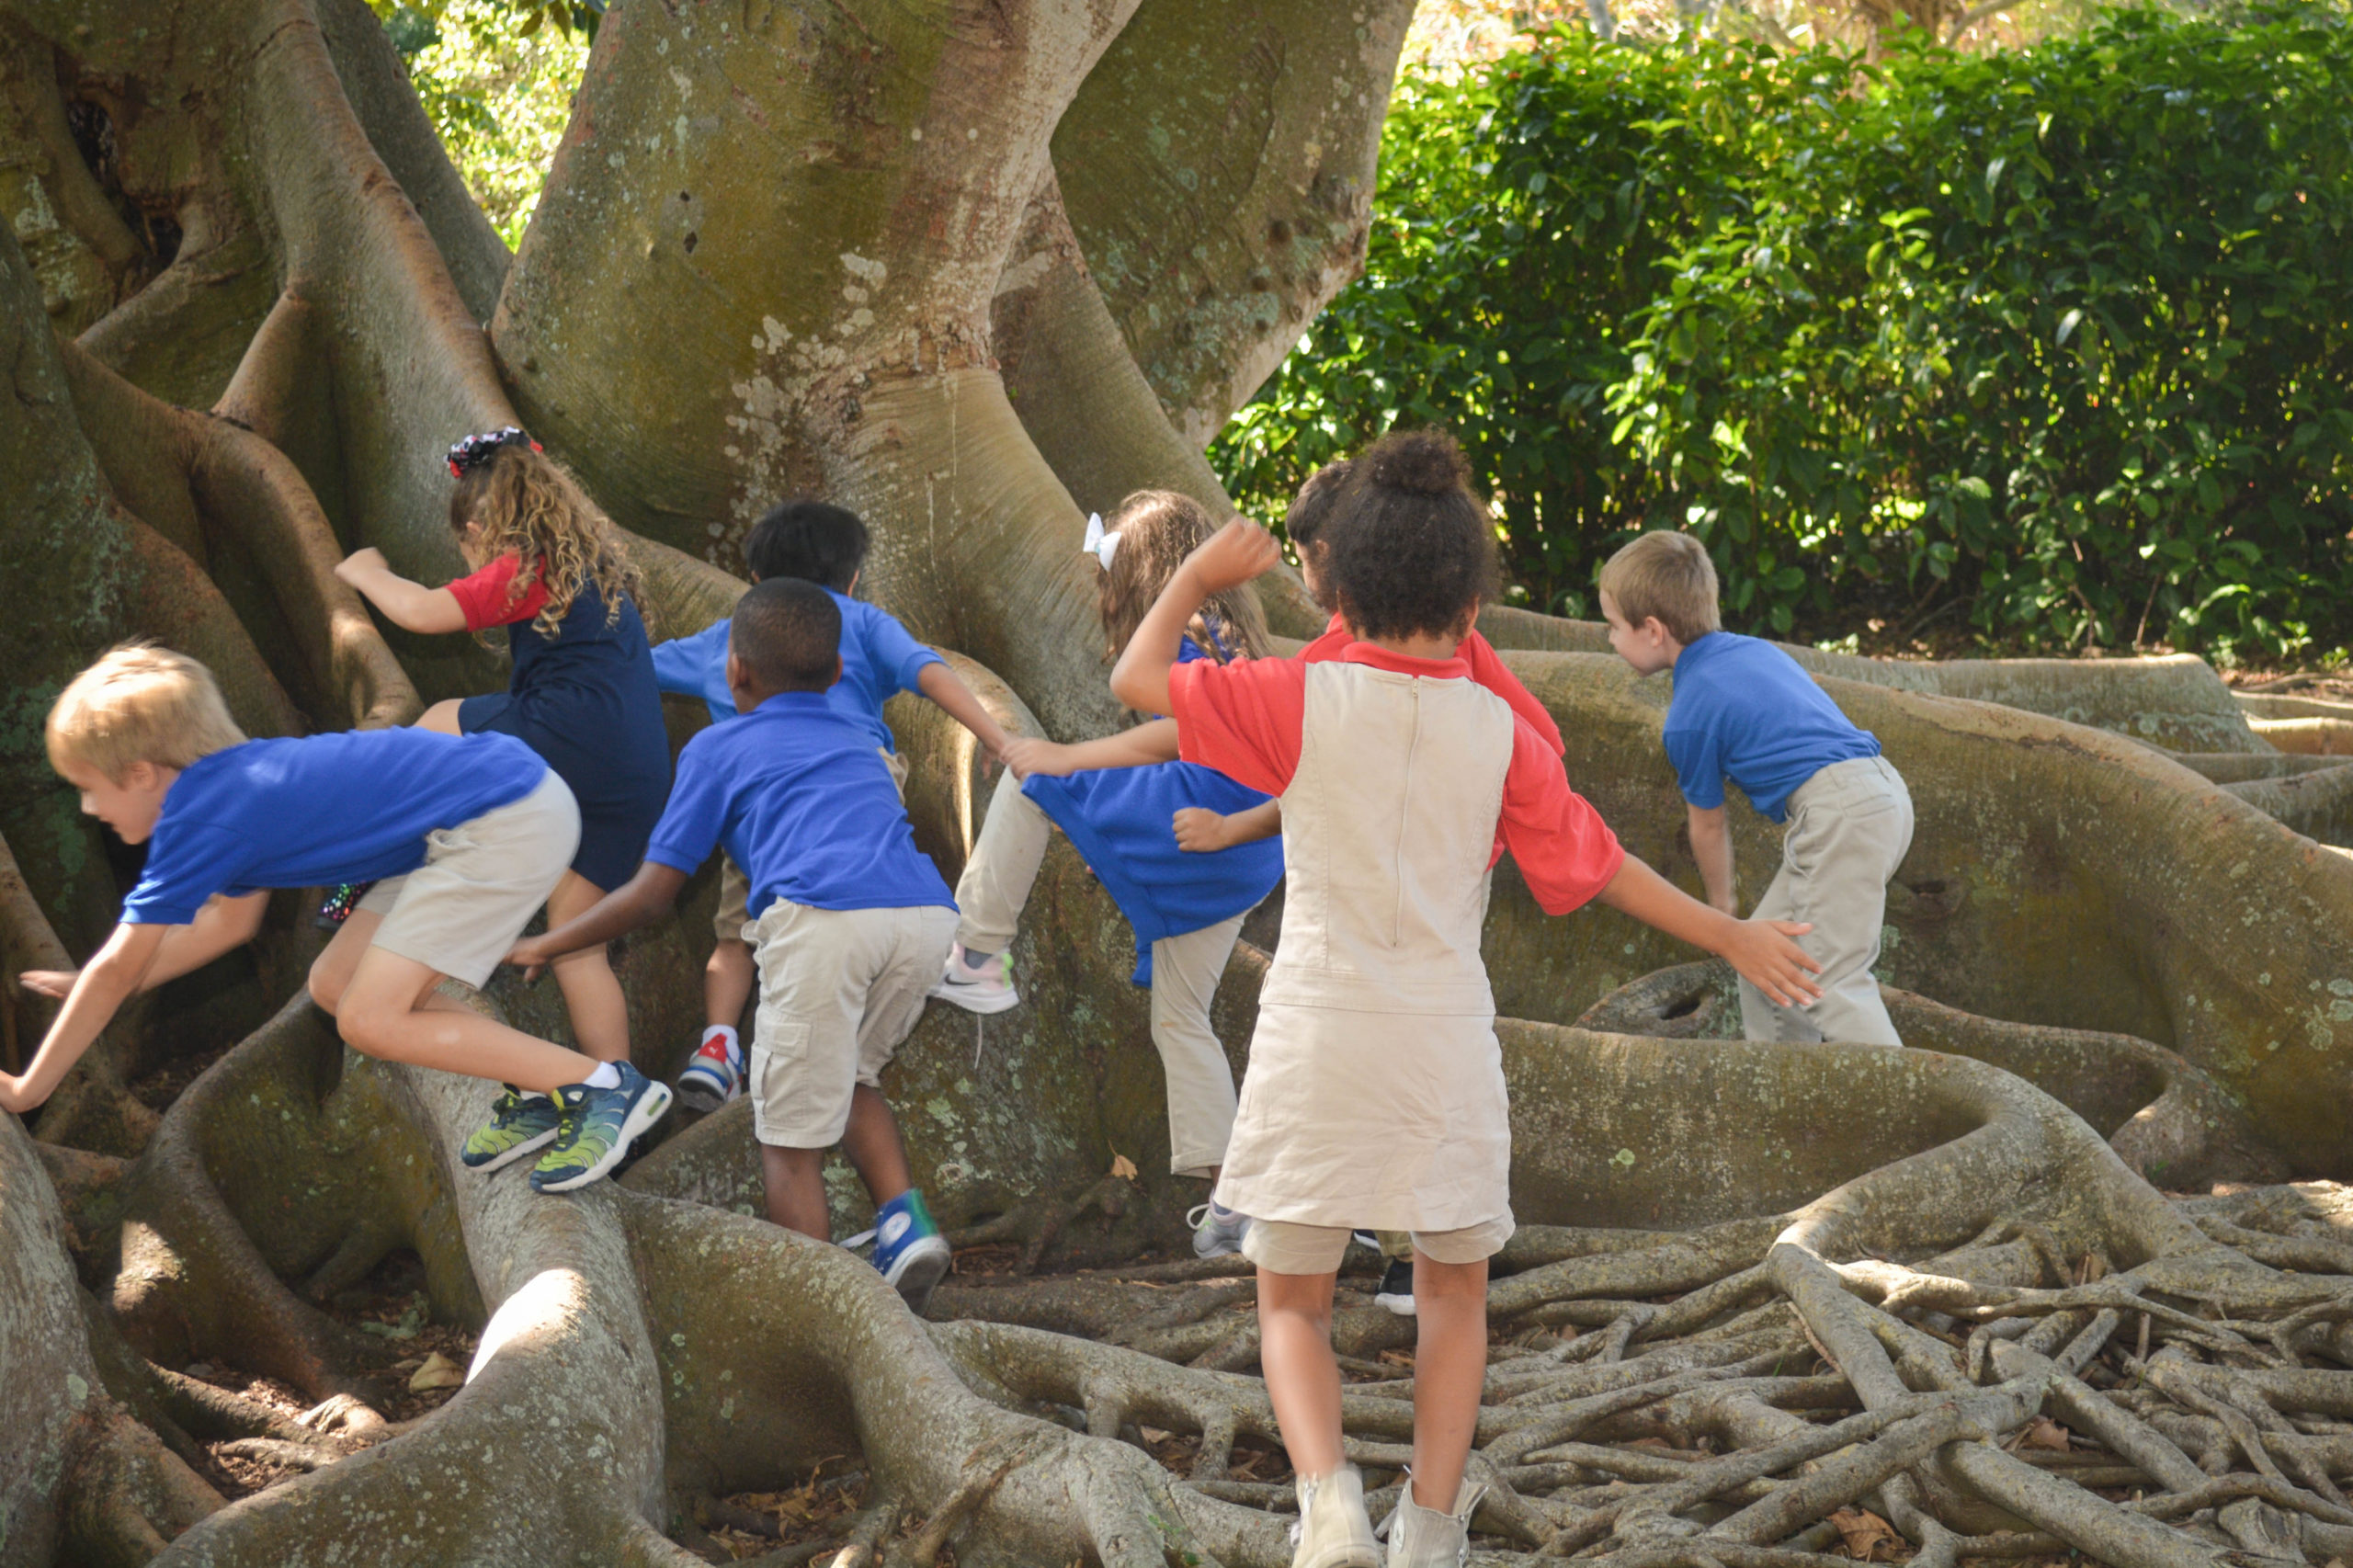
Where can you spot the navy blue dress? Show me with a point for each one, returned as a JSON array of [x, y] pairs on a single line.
[[585, 699]]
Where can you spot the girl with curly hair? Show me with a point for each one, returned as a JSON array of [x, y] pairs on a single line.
[[551, 569]]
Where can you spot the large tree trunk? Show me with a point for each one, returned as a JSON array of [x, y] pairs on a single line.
[[975, 269]]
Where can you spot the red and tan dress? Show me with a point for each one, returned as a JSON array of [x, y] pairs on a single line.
[[1375, 1091]]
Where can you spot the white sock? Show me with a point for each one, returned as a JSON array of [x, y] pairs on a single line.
[[608, 1075], [727, 1033]]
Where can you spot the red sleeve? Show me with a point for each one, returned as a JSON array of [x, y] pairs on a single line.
[[1242, 719], [487, 596], [1564, 849], [1491, 672]]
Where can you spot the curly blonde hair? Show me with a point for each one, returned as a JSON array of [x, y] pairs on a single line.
[[1157, 529], [529, 506]]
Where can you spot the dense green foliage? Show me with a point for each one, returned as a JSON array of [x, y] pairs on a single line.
[[2052, 345]]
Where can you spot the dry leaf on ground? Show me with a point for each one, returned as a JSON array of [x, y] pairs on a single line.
[[438, 1372], [1866, 1535]]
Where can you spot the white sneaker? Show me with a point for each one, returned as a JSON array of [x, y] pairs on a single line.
[[985, 989], [1217, 1231], [1424, 1538], [1333, 1530]]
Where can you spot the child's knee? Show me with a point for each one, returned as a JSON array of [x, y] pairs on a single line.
[[1463, 1281], [326, 981], [370, 1028]]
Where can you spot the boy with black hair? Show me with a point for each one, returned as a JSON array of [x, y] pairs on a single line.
[[854, 920], [825, 544]]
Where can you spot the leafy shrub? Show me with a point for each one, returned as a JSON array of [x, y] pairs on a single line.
[[2055, 344]]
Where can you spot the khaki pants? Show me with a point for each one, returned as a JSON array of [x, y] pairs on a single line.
[[1848, 829], [839, 990], [1185, 973], [1003, 868], [1282, 1247]]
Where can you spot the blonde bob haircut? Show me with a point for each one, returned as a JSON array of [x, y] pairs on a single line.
[[139, 703], [1667, 575]]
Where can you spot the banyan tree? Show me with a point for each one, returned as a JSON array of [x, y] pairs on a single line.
[[2066, 1275]]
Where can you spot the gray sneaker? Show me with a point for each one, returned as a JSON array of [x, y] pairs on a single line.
[[1217, 1231]]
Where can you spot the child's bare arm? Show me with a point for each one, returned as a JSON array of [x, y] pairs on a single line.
[[1760, 950], [412, 607], [1201, 829], [1144, 745], [635, 903], [1229, 558], [101, 987], [1712, 846], [946, 687], [223, 922]]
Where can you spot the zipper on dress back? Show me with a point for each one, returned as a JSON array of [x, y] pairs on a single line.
[[1404, 819]]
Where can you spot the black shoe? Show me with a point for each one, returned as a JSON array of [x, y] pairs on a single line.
[[1396, 1291], [339, 906]]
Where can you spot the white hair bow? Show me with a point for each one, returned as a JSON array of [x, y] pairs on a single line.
[[1099, 544]]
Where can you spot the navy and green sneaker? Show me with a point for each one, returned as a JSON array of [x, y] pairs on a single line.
[[908, 1247], [518, 1123], [597, 1128]]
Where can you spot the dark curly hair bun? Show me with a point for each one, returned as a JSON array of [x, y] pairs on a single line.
[[1419, 462], [1409, 548]]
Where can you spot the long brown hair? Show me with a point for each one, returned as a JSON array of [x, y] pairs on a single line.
[[530, 507], [1157, 529]]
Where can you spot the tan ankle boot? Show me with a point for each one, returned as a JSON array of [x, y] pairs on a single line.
[[1333, 1530], [1424, 1538]]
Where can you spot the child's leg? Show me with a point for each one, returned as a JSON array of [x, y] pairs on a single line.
[[1185, 974], [1450, 1372], [727, 981], [902, 956], [997, 878], [441, 716], [795, 1182], [592, 993], [872, 1144], [387, 1008], [1297, 1266], [1850, 827]]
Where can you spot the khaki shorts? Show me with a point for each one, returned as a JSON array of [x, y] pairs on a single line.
[[1280, 1246], [736, 888], [461, 912], [839, 989]]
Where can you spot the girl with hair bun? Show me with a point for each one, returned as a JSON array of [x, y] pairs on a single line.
[[548, 566], [1375, 1091]]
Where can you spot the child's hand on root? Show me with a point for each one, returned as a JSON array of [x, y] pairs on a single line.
[[13, 1095], [1201, 829], [531, 953], [1768, 958], [52, 983], [361, 563], [1231, 556], [1029, 755]]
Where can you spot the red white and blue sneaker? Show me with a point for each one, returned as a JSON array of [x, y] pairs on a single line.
[[909, 1249], [714, 1074]]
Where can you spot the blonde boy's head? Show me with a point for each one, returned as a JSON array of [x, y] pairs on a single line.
[[1667, 575], [139, 703]]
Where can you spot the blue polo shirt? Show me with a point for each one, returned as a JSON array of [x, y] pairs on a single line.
[[801, 801], [880, 659], [350, 807], [1746, 711]]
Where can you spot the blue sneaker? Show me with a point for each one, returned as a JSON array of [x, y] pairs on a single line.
[[520, 1124], [597, 1128], [909, 1249]]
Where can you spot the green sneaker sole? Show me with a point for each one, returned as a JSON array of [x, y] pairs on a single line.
[[505, 1157], [650, 1109]]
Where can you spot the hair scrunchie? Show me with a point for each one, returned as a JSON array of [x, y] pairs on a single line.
[[473, 451]]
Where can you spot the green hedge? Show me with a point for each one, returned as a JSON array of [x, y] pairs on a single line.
[[2050, 345]]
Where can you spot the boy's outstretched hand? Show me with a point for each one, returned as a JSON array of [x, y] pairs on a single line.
[[55, 983], [531, 953], [1767, 956], [1232, 555]]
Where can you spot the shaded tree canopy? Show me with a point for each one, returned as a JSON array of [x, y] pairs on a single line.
[[975, 270]]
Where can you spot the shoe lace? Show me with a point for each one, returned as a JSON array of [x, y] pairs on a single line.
[[1193, 1216]]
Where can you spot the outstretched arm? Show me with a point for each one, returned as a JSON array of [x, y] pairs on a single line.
[[223, 922], [1201, 829], [412, 607], [101, 987], [946, 687], [1229, 558], [1760, 950], [1137, 747], [635, 903], [1712, 846]]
